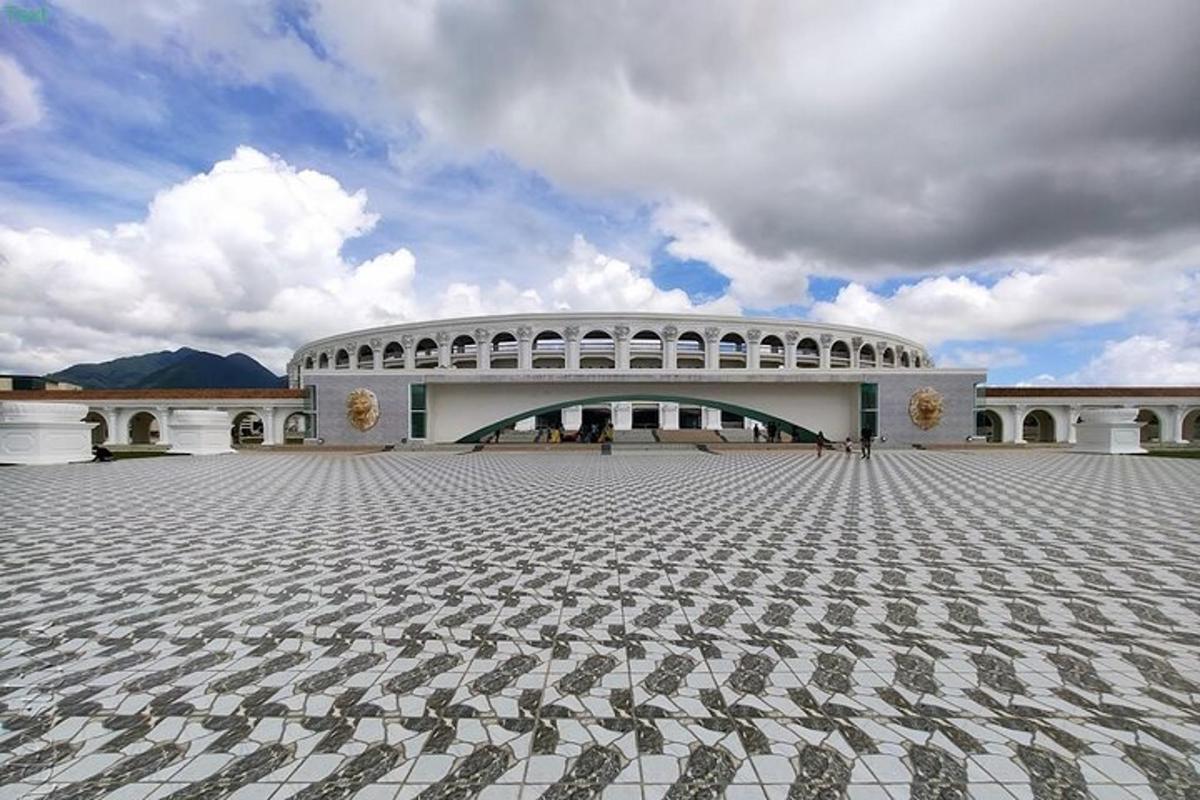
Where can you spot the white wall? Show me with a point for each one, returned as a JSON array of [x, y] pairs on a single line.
[[457, 409]]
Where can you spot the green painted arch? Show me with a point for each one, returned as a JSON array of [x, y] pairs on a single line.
[[786, 426]]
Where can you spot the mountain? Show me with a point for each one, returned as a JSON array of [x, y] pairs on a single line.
[[184, 368]]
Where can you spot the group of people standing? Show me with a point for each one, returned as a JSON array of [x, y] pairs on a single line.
[[864, 443], [587, 434], [773, 434]]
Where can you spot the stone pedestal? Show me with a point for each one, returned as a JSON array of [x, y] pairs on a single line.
[[44, 433], [1113, 431], [200, 433]]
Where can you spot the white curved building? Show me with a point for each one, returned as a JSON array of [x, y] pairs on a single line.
[[458, 380]]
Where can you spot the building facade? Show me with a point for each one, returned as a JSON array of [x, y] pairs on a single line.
[[460, 380], [1043, 414]]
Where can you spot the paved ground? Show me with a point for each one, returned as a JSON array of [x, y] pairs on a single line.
[[930, 625]]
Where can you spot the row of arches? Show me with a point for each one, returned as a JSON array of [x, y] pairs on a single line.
[[597, 350], [1039, 426], [246, 427]]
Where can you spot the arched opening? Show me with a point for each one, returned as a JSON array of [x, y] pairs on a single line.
[[393, 356], [733, 351], [988, 424], [904, 359], [143, 428], [323, 361], [839, 355], [917, 360], [366, 357], [308, 362], [1191, 426], [596, 351], [1151, 426], [689, 351], [100, 432], [247, 428], [646, 351], [771, 352], [463, 352], [598, 409], [297, 427], [808, 354], [645, 415], [341, 359], [866, 357], [549, 350], [505, 351], [889, 357], [426, 354], [1038, 426]]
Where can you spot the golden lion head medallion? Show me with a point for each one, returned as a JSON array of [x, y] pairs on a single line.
[[925, 408], [362, 409]]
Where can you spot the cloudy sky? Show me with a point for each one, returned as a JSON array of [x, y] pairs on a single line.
[[1016, 184]]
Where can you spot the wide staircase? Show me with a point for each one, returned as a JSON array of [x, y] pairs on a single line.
[[690, 436]]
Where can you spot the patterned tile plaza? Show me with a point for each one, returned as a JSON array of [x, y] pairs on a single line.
[[753, 625]]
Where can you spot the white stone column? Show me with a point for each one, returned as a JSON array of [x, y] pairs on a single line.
[[164, 427], [524, 347], [712, 418], [1062, 433], [572, 418], [622, 416], [670, 336], [120, 429], [352, 350], [410, 357], [1171, 427], [668, 416], [377, 353], [110, 421], [826, 343], [483, 348], [443, 342], [790, 338], [856, 343], [572, 338], [1073, 413], [621, 346], [1018, 424], [753, 349], [268, 420], [712, 348]]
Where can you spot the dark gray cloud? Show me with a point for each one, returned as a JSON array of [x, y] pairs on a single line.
[[873, 135]]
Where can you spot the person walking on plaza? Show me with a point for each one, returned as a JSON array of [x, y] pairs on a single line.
[[849, 445], [822, 442], [757, 433], [865, 441]]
